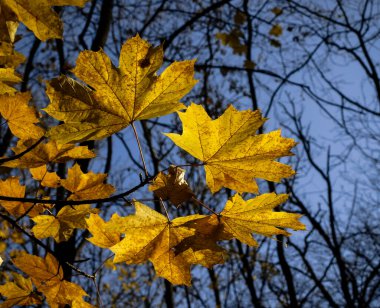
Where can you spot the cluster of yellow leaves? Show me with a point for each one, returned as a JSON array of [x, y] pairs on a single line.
[[107, 100], [47, 275], [173, 246]]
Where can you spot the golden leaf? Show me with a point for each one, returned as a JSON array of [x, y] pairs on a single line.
[[7, 78], [86, 186], [11, 188], [242, 218], [19, 292], [44, 153], [62, 226], [47, 276], [39, 16], [122, 95], [172, 186], [231, 151], [47, 179], [102, 236], [150, 236], [21, 118]]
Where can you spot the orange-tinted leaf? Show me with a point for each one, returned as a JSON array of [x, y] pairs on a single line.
[[86, 186], [8, 77], [19, 292], [44, 153], [172, 186], [21, 118], [47, 276], [11, 188]]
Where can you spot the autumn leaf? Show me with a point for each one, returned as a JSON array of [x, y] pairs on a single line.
[[21, 117], [86, 186], [102, 236], [39, 16], [151, 236], [276, 30], [172, 186], [63, 224], [8, 77], [47, 179], [44, 153], [19, 292], [232, 40], [47, 276], [242, 218], [231, 151], [11, 188], [131, 92]]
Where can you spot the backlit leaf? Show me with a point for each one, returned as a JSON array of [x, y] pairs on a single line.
[[102, 236], [47, 179], [47, 276], [21, 117], [86, 186], [231, 151], [44, 153], [39, 16], [131, 92], [62, 226]]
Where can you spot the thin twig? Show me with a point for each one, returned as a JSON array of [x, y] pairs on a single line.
[[204, 205]]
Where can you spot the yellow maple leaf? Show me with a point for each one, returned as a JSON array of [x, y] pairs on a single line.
[[172, 186], [8, 77], [21, 117], [62, 225], [39, 16], [47, 179], [44, 153], [47, 276], [11, 188], [242, 218], [19, 292], [102, 236], [151, 236], [122, 95], [230, 149], [86, 186]]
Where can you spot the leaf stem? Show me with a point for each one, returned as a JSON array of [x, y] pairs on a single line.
[[165, 209], [140, 149]]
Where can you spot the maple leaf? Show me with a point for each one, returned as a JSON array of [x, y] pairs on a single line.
[[172, 186], [102, 235], [121, 95], [276, 30], [11, 188], [8, 77], [19, 292], [86, 186], [44, 153], [47, 276], [231, 151], [151, 236], [61, 227], [47, 179], [242, 218], [21, 117], [39, 16]]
